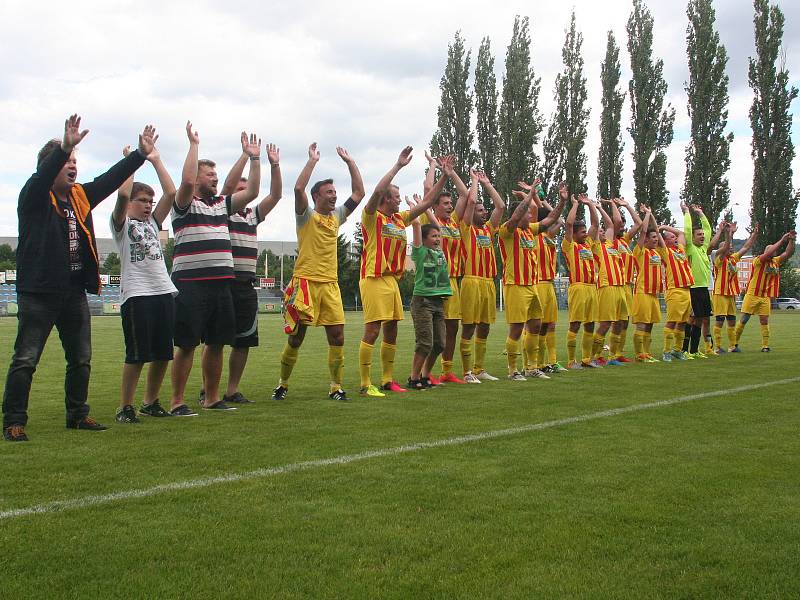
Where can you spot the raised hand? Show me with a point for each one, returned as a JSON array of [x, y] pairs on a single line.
[[430, 159], [562, 190], [520, 194], [405, 156], [483, 178], [697, 208], [147, 143], [126, 150], [273, 154], [584, 199], [573, 199], [684, 206], [344, 154], [445, 163], [313, 153], [253, 146], [525, 186], [413, 202], [194, 137], [72, 133]]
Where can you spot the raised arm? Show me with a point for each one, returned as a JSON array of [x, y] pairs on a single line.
[[189, 173], [687, 221], [386, 180], [427, 184], [637, 221], [594, 220], [522, 209], [168, 191], [300, 197], [235, 174], [241, 199], [657, 227], [678, 233], [571, 216], [790, 243], [497, 200], [103, 186], [431, 195], [704, 222], [643, 221], [610, 225], [275, 183], [718, 235], [750, 240], [554, 216], [123, 198], [472, 199], [357, 192]]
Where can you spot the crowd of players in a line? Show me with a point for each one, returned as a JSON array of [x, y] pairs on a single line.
[[616, 277]]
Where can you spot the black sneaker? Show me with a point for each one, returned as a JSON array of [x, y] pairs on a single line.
[[279, 393], [237, 398], [415, 384], [426, 383], [87, 423], [153, 409], [766, 349], [15, 433], [339, 395], [182, 411], [126, 414], [218, 405]]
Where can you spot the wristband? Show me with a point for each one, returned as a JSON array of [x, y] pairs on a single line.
[[350, 204], [255, 158]]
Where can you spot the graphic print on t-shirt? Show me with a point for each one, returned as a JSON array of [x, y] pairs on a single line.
[[73, 239], [144, 241]]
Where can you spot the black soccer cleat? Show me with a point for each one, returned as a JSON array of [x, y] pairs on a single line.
[[279, 393], [86, 423], [339, 395]]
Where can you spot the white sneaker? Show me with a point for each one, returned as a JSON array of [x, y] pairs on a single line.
[[517, 376], [470, 378], [537, 374], [484, 376]]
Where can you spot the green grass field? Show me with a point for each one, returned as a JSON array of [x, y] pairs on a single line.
[[694, 499]]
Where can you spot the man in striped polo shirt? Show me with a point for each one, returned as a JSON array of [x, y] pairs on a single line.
[[202, 270], [764, 285], [244, 249], [679, 279]]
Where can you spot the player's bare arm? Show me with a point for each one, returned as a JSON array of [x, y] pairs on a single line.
[[189, 173], [271, 200], [594, 219], [497, 200], [168, 191], [402, 160], [235, 174], [241, 199], [357, 192], [429, 198], [571, 216], [300, 197], [123, 198]]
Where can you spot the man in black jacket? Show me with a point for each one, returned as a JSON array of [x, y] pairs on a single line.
[[57, 263]]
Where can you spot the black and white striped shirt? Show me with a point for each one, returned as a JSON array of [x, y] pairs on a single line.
[[202, 240]]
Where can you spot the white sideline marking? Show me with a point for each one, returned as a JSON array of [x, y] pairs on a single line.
[[87, 501]]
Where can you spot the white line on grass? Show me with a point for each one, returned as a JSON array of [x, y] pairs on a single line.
[[87, 501]]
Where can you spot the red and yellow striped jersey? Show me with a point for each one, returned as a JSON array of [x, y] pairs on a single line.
[[726, 275], [479, 259], [623, 246], [580, 261], [384, 248], [650, 279], [766, 278], [452, 246], [546, 256], [518, 249], [610, 266], [677, 270]]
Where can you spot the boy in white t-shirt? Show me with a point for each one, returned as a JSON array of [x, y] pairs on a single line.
[[147, 292]]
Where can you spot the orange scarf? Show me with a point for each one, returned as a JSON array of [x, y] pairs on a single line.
[[80, 204]]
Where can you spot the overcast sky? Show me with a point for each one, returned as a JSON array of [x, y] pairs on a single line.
[[364, 75]]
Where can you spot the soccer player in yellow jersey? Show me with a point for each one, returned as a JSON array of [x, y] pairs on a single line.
[[764, 285], [679, 278], [383, 256], [480, 268], [523, 308], [646, 308], [624, 244], [313, 296], [577, 250], [726, 286]]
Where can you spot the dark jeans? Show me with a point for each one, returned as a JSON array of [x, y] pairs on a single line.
[[38, 313]]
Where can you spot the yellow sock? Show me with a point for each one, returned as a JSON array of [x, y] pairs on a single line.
[[587, 341], [336, 366], [598, 341], [466, 354], [524, 344], [648, 342], [572, 342], [732, 335], [480, 353], [365, 362], [739, 330], [638, 342], [387, 362], [623, 335], [533, 342], [540, 356], [765, 336], [669, 339], [288, 360], [679, 334], [717, 333], [447, 366], [550, 339], [613, 345], [512, 353]]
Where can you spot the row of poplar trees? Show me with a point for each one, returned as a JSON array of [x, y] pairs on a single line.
[[509, 125]]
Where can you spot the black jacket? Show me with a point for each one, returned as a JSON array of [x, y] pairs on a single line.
[[42, 250]]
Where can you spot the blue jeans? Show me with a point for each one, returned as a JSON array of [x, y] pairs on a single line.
[[68, 311]]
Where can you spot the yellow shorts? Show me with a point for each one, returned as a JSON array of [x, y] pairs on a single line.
[[547, 298], [611, 303], [628, 299], [452, 304], [756, 305], [326, 303], [582, 299], [477, 300], [646, 308], [679, 305], [522, 303], [381, 299], [723, 305]]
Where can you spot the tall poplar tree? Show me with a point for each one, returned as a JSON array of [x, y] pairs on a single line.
[[520, 122], [486, 112], [651, 125], [609, 157], [773, 203], [708, 152], [454, 134]]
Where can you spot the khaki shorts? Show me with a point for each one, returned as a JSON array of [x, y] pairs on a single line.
[[452, 304], [477, 300], [679, 305], [582, 299], [522, 303], [547, 298], [646, 308], [380, 297], [756, 305]]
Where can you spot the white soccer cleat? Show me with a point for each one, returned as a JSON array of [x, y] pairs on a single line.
[[536, 374], [470, 378], [484, 376], [517, 376]]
